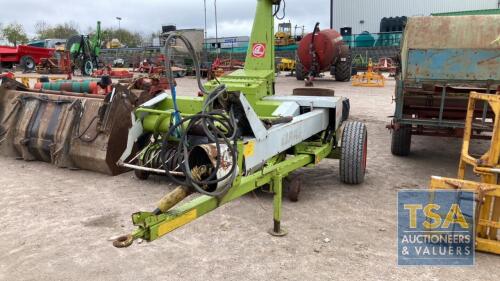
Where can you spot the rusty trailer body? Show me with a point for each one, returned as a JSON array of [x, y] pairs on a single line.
[[442, 60], [66, 129]]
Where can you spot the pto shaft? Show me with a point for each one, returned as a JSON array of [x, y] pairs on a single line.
[[171, 199]]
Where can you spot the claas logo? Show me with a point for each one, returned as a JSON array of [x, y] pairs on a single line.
[[433, 219]]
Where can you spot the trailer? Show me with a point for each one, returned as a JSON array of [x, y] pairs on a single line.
[[443, 59], [236, 137], [26, 56]]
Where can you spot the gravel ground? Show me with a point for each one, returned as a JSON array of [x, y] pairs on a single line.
[[55, 223]]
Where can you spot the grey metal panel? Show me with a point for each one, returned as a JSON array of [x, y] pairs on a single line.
[[288, 108], [316, 102], [284, 136], [159, 98], [258, 128]]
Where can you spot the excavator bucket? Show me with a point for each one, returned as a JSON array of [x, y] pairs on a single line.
[[70, 130]]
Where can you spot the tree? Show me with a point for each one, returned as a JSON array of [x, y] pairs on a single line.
[[126, 37], [41, 27], [14, 33], [59, 31]]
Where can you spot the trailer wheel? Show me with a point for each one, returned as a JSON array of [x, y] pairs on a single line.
[[299, 71], [343, 70], [346, 107], [142, 175], [354, 151], [28, 63], [294, 184], [401, 141]]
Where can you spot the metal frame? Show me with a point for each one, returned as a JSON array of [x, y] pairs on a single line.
[[440, 125], [265, 157], [152, 227], [444, 51], [487, 166]]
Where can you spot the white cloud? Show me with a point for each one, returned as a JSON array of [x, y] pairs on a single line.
[[146, 16]]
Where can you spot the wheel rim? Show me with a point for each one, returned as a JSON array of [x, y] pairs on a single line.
[[30, 64], [294, 189], [88, 67]]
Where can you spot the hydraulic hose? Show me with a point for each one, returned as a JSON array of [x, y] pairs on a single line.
[[208, 119]]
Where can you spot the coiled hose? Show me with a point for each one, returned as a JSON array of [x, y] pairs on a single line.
[[218, 126]]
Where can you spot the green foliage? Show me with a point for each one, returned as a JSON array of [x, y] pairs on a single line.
[[14, 33], [59, 31], [126, 37]]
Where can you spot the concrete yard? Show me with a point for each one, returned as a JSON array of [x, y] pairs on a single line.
[[56, 223]]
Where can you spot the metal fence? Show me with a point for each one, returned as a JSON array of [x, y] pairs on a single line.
[[363, 40], [365, 45], [385, 39]]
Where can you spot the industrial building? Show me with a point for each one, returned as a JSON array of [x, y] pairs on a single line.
[[365, 15]]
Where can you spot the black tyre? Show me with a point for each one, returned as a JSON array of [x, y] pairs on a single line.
[[346, 108], [7, 65], [332, 70], [299, 71], [294, 184], [28, 63], [354, 152], [76, 39], [343, 70], [401, 141], [142, 175]]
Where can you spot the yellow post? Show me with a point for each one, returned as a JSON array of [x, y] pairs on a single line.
[[25, 81]]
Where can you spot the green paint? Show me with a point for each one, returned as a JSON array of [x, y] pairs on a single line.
[[257, 78], [256, 82], [148, 223], [277, 185], [470, 13]]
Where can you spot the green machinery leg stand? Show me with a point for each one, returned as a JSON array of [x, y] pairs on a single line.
[[277, 187]]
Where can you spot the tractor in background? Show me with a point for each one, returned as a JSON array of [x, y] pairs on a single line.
[[84, 51], [284, 36]]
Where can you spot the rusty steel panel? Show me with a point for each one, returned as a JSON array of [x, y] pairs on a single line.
[[68, 131], [466, 32]]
